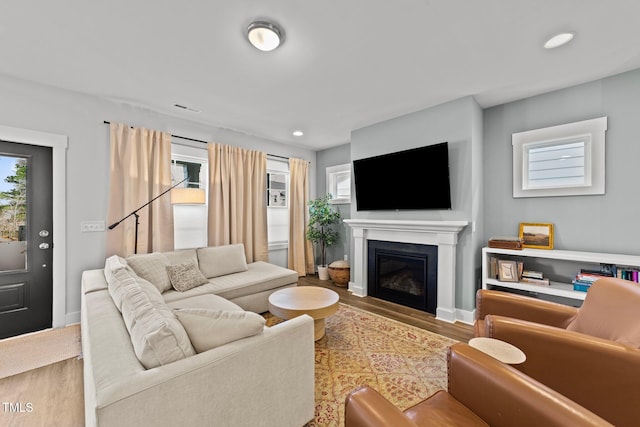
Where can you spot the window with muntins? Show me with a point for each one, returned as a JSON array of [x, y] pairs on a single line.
[[564, 160]]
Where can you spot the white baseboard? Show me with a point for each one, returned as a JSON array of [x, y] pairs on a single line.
[[465, 316], [71, 318], [356, 290]]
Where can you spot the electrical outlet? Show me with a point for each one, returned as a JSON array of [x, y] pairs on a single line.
[[346, 257], [91, 226]]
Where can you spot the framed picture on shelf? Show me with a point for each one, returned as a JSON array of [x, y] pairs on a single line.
[[536, 236], [507, 271]]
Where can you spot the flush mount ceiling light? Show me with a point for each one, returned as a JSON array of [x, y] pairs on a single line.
[[298, 133], [264, 35], [558, 40]]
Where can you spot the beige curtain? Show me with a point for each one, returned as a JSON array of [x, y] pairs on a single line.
[[238, 199], [300, 249], [140, 170]]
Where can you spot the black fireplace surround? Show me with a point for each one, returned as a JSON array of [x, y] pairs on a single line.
[[404, 273]]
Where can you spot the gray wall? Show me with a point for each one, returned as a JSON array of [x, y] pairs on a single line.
[[333, 157], [459, 123], [80, 117], [601, 223]]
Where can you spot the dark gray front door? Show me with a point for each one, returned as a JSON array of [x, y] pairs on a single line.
[[26, 284]]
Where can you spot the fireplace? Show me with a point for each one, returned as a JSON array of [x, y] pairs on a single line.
[[443, 234], [404, 273]]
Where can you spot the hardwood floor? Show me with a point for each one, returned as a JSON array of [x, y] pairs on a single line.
[[53, 395], [457, 331], [47, 396]]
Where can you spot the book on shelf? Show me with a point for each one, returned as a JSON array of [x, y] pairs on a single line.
[[628, 273], [493, 267], [532, 281], [520, 265], [506, 243], [532, 274], [581, 287], [587, 277]]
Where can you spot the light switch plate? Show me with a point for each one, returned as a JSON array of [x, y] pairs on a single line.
[[91, 226]]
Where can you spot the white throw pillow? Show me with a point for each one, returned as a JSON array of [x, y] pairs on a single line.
[[208, 329], [152, 267], [217, 261]]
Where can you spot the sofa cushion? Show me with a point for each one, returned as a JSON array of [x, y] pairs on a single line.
[[185, 276], [610, 311], [218, 261], [260, 276], [157, 336], [208, 329], [124, 278], [152, 267], [181, 255], [113, 263], [208, 301]]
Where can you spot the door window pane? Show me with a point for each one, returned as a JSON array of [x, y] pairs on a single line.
[[13, 213]]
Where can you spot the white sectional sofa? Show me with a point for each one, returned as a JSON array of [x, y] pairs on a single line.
[[198, 356]]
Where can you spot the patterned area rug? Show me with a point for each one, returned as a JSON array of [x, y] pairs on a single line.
[[404, 363]]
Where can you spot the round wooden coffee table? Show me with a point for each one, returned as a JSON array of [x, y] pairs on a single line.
[[317, 302]]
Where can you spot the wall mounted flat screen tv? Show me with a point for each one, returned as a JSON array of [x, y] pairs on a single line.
[[410, 180]]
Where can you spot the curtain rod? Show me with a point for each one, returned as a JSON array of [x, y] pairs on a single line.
[[204, 142]]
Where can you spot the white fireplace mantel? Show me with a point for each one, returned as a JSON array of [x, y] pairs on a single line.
[[443, 234]]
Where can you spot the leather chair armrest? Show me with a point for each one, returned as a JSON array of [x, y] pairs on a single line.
[[523, 307], [599, 374], [502, 395], [365, 407]]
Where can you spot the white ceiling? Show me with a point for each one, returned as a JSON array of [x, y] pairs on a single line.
[[344, 64]]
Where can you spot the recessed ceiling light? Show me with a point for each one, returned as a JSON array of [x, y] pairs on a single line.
[[264, 35], [298, 133], [558, 40]]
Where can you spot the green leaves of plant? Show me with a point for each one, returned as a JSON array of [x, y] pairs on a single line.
[[322, 216]]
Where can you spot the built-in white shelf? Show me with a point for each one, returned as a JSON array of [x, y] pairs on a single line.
[[586, 259]]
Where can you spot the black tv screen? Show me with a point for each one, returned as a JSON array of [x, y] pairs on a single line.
[[411, 179]]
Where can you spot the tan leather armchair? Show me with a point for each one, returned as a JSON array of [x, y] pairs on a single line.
[[507, 304], [481, 391], [590, 356]]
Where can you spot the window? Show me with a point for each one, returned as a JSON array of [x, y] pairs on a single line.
[[556, 164], [277, 203], [190, 220], [181, 169], [339, 183], [277, 189], [564, 160]]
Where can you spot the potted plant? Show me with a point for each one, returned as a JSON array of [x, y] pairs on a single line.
[[322, 216]]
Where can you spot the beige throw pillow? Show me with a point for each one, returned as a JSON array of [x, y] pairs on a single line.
[[151, 267], [208, 329], [185, 276], [217, 261]]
